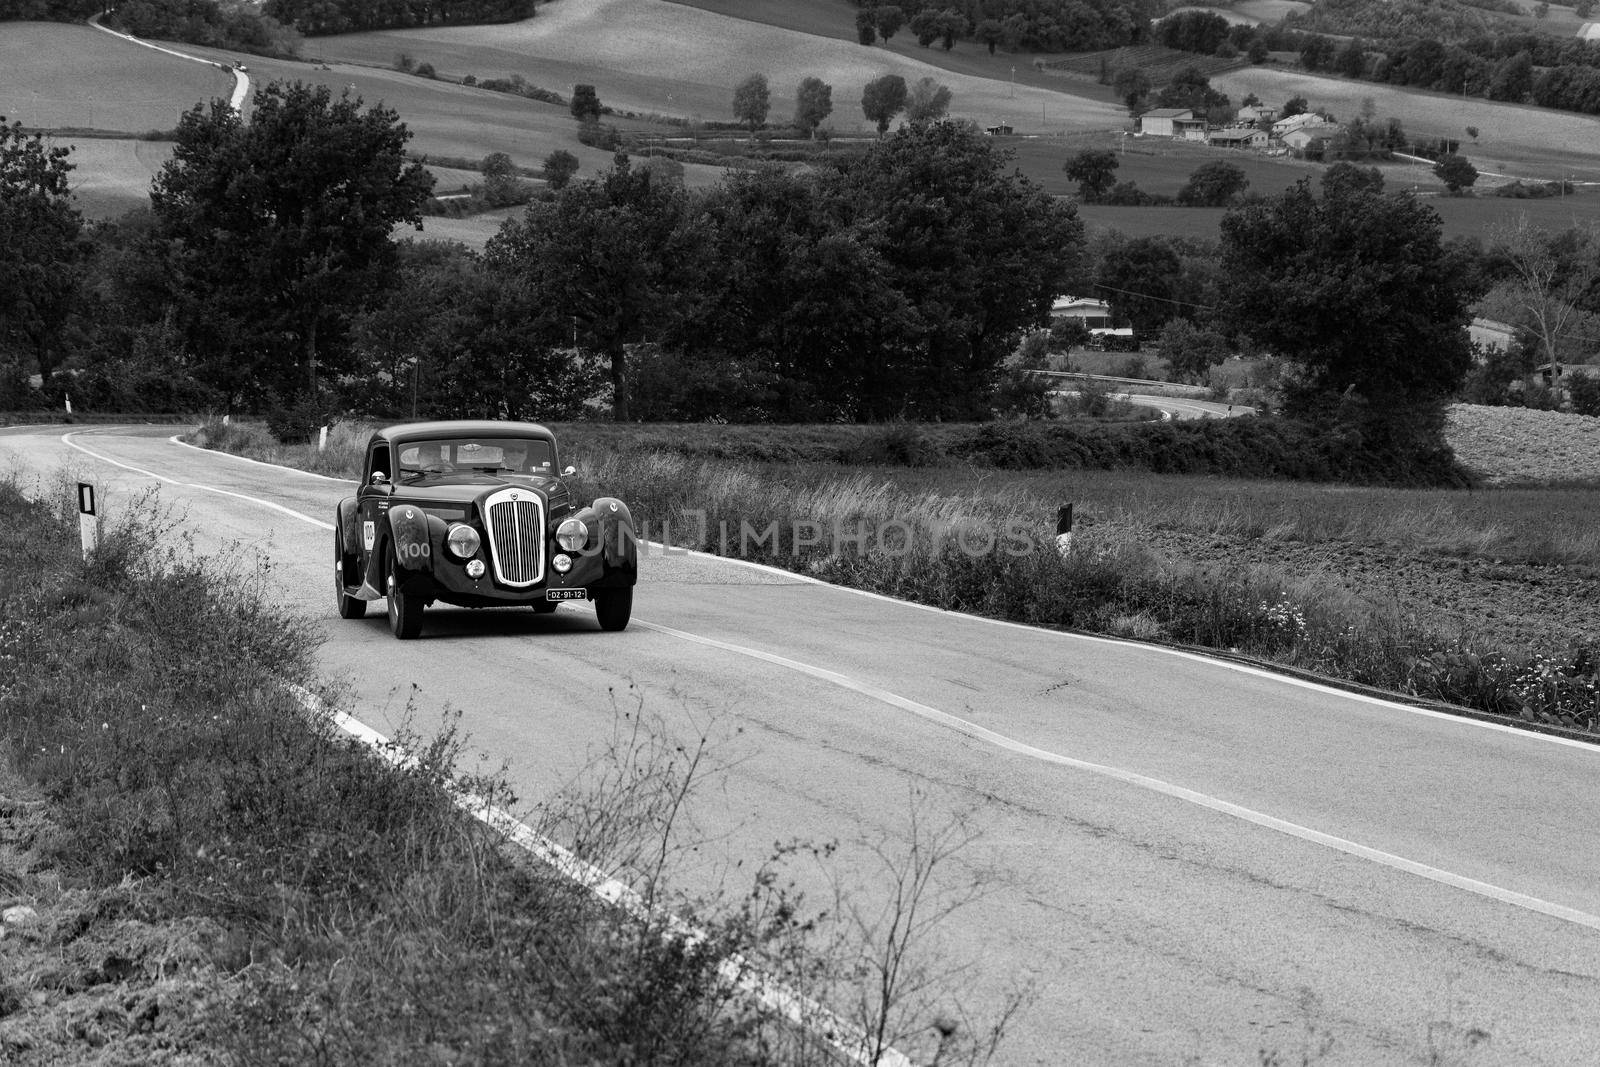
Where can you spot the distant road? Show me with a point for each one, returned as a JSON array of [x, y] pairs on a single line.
[[241, 81]]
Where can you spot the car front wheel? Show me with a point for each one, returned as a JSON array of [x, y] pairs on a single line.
[[613, 607], [350, 607], [405, 610]]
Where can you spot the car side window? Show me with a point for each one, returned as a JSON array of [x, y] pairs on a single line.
[[379, 463]]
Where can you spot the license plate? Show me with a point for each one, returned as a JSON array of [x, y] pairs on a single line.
[[566, 594]]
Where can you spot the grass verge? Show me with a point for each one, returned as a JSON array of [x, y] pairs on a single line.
[[196, 867]]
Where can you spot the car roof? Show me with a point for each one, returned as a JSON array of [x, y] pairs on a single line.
[[410, 431]]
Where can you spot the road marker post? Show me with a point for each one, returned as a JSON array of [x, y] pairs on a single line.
[[88, 520], [322, 439]]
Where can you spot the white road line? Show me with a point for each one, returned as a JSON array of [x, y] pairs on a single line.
[[67, 439], [1193, 657], [999, 740], [176, 439], [1156, 785]]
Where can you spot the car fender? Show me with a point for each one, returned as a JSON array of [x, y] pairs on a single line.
[[619, 544], [349, 527], [415, 536]]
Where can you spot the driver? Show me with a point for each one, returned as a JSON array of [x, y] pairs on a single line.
[[430, 457]]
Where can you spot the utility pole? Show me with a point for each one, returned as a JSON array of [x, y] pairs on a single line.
[[1013, 80]]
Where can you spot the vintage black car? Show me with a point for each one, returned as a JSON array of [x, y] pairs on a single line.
[[477, 514]]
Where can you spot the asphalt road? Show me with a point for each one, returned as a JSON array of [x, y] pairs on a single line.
[[1191, 862]]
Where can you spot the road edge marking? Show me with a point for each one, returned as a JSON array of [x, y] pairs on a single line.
[[972, 730], [800, 1010]]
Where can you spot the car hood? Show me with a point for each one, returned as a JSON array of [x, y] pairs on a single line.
[[468, 489]]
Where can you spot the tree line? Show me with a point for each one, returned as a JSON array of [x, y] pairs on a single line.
[[896, 284], [1016, 25], [264, 277]]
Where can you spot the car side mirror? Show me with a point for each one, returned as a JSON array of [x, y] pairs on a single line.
[[569, 472], [379, 478]]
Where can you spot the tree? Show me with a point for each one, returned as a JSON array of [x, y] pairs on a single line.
[[1356, 289], [752, 99], [927, 101], [883, 99], [1191, 351], [1190, 88], [1344, 179], [1542, 9], [606, 254], [1095, 171], [951, 25], [559, 168], [925, 25], [1132, 84], [989, 34], [1295, 105], [1512, 79], [889, 19], [1583, 8], [1352, 60], [283, 229], [1214, 184], [975, 253], [1456, 173], [39, 252], [1472, 132], [866, 27], [1139, 279], [585, 103], [1257, 51], [813, 102], [1546, 288]]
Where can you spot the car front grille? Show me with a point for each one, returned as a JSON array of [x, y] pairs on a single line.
[[514, 521]]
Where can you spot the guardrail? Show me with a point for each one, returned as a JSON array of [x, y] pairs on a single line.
[[1173, 389]]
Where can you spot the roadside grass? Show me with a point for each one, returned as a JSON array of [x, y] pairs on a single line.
[[217, 873], [980, 542]]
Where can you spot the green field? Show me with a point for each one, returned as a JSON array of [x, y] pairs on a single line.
[[57, 76]]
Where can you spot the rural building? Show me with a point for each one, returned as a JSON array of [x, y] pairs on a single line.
[[1160, 122], [1257, 113], [1001, 130], [1491, 334], [1298, 140], [1190, 129], [1092, 313], [1284, 127], [1238, 137]]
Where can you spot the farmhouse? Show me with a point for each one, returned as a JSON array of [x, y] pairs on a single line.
[[1491, 334], [1253, 113], [1238, 137], [1301, 138], [1092, 313], [1283, 127], [1163, 120]]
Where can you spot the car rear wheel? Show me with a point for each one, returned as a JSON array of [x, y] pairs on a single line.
[[405, 610], [613, 607], [350, 607]]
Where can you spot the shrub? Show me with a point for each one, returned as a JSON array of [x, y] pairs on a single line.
[[1584, 392], [425, 70], [469, 79], [596, 135]]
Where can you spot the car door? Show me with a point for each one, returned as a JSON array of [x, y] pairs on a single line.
[[372, 506]]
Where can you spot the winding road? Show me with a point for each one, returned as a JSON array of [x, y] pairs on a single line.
[[1189, 861]]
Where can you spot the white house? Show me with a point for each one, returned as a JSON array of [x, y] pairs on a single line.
[[1161, 121], [1283, 127], [1094, 314], [1298, 139], [1491, 334]]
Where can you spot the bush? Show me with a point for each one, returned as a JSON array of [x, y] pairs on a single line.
[[1584, 392], [425, 70], [595, 135]]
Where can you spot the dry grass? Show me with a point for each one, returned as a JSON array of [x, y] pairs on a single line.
[[1511, 446]]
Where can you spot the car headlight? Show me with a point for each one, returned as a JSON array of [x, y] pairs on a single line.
[[463, 541], [572, 535]]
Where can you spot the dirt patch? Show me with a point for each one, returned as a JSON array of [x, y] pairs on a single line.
[[95, 975], [1516, 446], [1499, 604]]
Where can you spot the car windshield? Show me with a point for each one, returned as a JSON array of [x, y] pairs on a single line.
[[487, 455]]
